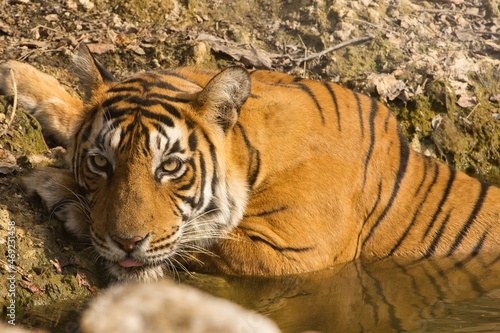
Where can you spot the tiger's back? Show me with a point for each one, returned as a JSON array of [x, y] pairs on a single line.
[[289, 176], [335, 170]]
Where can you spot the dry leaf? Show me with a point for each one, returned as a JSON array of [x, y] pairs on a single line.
[[52, 17], [466, 101], [5, 28], [246, 53], [33, 288], [465, 36], [495, 98], [87, 5], [83, 282], [387, 86], [57, 266], [8, 162], [136, 49], [101, 48], [493, 45]]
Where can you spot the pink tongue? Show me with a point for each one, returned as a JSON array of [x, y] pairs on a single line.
[[129, 263]]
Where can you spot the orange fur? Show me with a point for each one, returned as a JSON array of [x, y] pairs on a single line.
[[307, 174]]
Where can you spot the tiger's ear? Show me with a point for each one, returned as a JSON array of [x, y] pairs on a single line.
[[91, 73], [224, 95]]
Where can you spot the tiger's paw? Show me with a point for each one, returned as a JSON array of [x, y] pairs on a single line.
[[60, 195]]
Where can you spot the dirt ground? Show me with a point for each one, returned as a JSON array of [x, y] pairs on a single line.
[[434, 63]]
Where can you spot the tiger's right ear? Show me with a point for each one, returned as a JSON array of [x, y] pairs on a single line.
[[93, 76], [223, 96]]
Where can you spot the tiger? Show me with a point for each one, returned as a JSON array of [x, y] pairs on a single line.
[[242, 172]]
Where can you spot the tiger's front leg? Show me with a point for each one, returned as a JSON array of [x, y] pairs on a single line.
[[44, 97]]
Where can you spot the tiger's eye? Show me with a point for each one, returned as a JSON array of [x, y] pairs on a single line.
[[171, 165], [99, 161]]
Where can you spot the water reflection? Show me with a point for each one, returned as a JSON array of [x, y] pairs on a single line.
[[438, 295]]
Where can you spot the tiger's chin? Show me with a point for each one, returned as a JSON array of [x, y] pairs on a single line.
[[143, 274]]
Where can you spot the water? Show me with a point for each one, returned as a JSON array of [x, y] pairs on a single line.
[[439, 295], [445, 295]]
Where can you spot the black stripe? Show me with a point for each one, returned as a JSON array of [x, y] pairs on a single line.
[[151, 80], [178, 210], [379, 192], [189, 123], [268, 212], [139, 101], [479, 244], [404, 153], [375, 205], [144, 131], [112, 112], [213, 156], [215, 178], [192, 180], [308, 90], [417, 211], [475, 251], [279, 248], [86, 130], [193, 141], [161, 84], [254, 170], [373, 113], [440, 205], [360, 113], [161, 97], [437, 237], [465, 229], [176, 148], [164, 119], [159, 127], [187, 199], [169, 108], [113, 100], [203, 179], [254, 162], [335, 104], [424, 171], [138, 80], [123, 88]]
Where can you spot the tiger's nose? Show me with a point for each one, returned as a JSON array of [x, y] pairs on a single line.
[[127, 244]]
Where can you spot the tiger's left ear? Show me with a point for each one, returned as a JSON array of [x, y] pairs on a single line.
[[223, 96], [91, 73]]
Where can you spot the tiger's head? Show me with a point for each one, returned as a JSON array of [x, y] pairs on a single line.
[[150, 158]]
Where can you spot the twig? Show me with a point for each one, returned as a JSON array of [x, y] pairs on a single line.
[[367, 23], [305, 52], [474, 109], [487, 33], [45, 27], [333, 48], [446, 11], [14, 105]]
